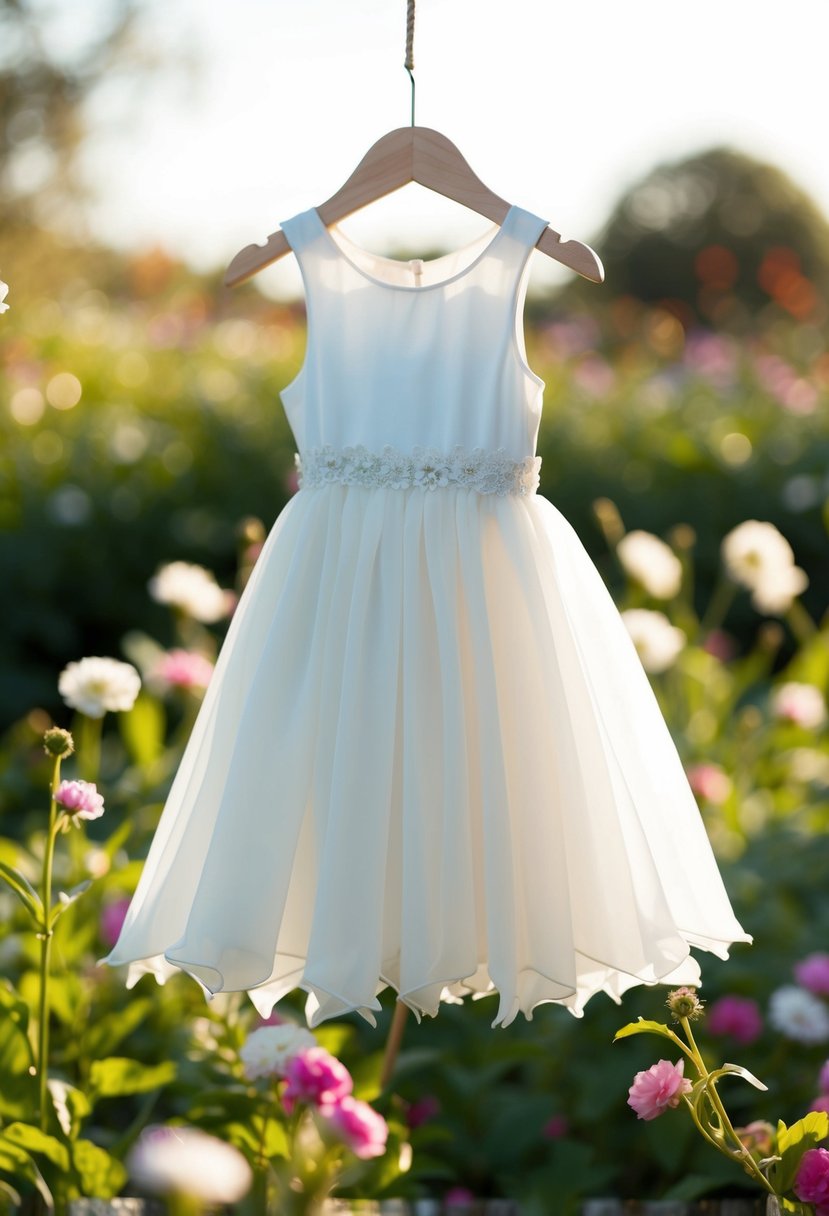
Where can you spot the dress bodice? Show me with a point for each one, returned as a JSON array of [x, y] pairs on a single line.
[[414, 356]]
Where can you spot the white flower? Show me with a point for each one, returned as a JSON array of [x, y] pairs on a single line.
[[657, 641], [267, 1050], [4, 288], [652, 563], [95, 685], [759, 557], [190, 588], [799, 1015], [800, 703], [774, 594], [185, 1161]]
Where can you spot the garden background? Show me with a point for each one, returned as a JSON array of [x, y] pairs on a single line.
[[141, 426]]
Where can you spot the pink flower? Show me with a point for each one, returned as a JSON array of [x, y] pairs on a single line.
[[422, 1111], [738, 1017], [81, 799], [661, 1086], [720, 644], [758, 1137], [709, 781], [812, 972], [316, 1077], [184, 669], [821, 1103], [555, 1128], [112, 920], [459, 1196], [811, 1182], [359, 1127]]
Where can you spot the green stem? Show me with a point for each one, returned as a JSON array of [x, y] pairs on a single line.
[[89, 751], [739, 1150], [718, 606], [46, 934], [800, 623]]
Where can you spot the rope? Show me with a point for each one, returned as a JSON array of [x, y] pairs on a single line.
[[409, 64]]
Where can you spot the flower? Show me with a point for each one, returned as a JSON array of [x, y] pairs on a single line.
[[422, 1110], [112, 921], [821, 1102], [183, 669], [737, 1017], [659, 1087], [823, 1078], [267, 1050], [758, 1137], [657, 641], [4, 289], [811, 1183], [555, 1128], [759, 558], [191, 588], [316, 1077], [684, 1003], [652, 563], [799, 1015], [359, 1126], [812, 972], [708, 781], [81, 799], [95, 685], [185, 1161], [58, 742], [720, 644], [802, 704], [458, 1196]]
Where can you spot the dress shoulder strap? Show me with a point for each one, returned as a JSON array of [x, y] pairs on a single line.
[[300, 230], [523, 229]]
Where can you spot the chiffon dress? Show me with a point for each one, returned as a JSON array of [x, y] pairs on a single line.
[[429, 756]]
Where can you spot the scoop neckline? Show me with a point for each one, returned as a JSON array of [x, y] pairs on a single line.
[[487, 249]]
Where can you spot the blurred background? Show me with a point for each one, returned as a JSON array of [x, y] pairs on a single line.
[[143, 144]]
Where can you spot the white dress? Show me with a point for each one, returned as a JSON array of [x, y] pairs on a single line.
[[429, 756]]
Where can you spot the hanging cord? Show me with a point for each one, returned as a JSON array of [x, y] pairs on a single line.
[[409, 64]]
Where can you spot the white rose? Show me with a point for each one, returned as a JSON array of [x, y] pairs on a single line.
[[658, 642], [774, 593], [799, 1015], [95, 685], [651, 562], [755, 553], [800, 703]]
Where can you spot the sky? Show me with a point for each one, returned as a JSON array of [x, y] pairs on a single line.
[[558, 108]]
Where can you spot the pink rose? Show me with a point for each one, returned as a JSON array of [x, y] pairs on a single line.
[[811, 1183], [112, 920], [812, 972], [661, 1086], [359, 1126], [738, 1017], [821, 1103], [81, 799], [721, 645], [316, 1077]]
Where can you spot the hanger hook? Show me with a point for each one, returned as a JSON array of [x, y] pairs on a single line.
[[409, 64]]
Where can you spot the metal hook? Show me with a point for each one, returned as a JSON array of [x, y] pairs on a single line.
[[411, 74]]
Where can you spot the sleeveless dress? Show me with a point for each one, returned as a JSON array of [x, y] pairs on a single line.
[[429, 756]]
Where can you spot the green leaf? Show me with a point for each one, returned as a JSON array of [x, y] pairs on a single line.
[[792, 1143], [119, 1075], [16, 1162], [66, 899], [24, 891], [18, 1088], [71, 1106], [33, 1140], [142, 729], [643, 1026], [99, 1173], [736, 1070], [101, 1037]]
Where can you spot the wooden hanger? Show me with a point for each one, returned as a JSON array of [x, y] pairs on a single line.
[[414, 154]]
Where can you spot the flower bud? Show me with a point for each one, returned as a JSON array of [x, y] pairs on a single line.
[[58, 742], [684, 1003]]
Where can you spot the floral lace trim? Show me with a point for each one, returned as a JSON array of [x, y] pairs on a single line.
[[488, 472]]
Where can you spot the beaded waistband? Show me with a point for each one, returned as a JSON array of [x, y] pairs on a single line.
[[486, 471]]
